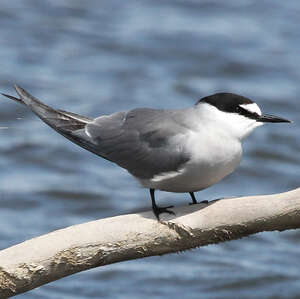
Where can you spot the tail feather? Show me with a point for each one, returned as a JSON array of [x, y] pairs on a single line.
[[58, 119], [68, 124], [13, 98]]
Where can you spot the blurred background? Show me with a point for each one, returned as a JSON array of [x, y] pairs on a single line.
[[99, 57]]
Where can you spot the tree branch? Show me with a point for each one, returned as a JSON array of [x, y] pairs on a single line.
[[63, 252]]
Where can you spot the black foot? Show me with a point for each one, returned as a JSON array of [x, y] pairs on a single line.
[[204, 201], [159, 210]]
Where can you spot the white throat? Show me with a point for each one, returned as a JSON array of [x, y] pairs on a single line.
[[235, 125]]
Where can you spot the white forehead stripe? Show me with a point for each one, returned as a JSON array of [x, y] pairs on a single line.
[[252, 108]]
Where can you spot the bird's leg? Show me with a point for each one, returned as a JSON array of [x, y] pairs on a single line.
[[158, 210], [194, 199]]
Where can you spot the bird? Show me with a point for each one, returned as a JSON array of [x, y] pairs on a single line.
[[178, 150]]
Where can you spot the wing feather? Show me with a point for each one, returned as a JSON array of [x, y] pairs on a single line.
[[140, 141]]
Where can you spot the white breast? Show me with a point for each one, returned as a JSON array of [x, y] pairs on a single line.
[[214, 155]]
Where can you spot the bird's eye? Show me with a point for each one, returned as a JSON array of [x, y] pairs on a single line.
[[238, 109]]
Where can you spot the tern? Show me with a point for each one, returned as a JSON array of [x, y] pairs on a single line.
[[183, 150]]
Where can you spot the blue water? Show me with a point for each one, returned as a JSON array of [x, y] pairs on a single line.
[[98, 57]]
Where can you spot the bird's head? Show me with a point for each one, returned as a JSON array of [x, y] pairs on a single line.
[[234, 113]]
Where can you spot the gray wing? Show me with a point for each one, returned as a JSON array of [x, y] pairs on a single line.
[[140, 141]]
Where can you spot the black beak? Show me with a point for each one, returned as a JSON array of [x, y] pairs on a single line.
[[267, 118]]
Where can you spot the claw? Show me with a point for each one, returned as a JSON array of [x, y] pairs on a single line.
[[160, 210]]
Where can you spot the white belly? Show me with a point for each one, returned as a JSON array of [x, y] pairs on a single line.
[[208, 165]]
